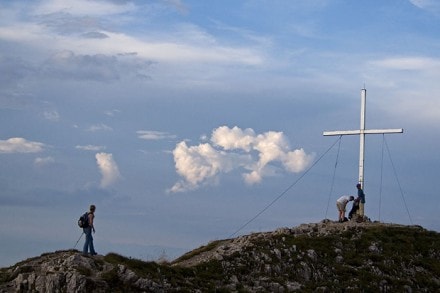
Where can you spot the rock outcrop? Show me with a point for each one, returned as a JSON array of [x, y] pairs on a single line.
[[323, 257]]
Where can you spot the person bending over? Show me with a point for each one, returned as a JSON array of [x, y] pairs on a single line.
[[341, 204]]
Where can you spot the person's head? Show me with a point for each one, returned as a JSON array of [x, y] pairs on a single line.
[[92, 208], [351, 197], [358, 185]]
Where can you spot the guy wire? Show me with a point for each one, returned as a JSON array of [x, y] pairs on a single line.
[[284, 192]]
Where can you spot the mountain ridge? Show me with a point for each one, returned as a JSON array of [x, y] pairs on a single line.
[[325, 257]]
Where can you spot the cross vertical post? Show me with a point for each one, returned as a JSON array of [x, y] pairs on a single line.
[[362, 132], [362, 137]]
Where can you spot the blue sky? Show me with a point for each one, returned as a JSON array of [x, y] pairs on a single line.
[[181, 120]]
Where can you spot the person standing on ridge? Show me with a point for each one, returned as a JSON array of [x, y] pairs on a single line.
[[341, 203], [88, 245], [361, 197]]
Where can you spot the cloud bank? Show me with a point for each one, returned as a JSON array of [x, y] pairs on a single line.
[[260, 155], [108, 168]]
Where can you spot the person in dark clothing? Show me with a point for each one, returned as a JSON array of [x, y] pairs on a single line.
[[361, 197], [88, 245], [354, 208]]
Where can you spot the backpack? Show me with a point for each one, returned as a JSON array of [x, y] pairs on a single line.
[[83, 221]]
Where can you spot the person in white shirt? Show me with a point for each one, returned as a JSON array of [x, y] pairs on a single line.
[[341, 204]]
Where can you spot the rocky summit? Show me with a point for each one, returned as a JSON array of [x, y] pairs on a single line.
[[322, 257]]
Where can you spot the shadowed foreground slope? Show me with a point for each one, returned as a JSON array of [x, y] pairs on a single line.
[[324, 257]]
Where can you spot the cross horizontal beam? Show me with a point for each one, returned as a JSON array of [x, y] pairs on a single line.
[[362, 132], [365, 131]]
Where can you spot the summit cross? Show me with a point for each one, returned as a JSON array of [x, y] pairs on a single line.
[[362, 132]]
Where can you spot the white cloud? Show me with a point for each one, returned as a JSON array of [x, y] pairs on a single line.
[[234, 138], [80, 26], [20, 145], [154, 135], [296, 161], [234, 148], [44, 161], [201, 164], [108, 168], [176, 50], [99, 127], [90, 147]]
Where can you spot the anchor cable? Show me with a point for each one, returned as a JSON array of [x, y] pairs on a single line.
[[334, 175], [381, 175], [284, 192], [398, 182]]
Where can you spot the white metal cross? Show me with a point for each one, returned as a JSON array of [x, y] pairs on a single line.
[[362, 132]]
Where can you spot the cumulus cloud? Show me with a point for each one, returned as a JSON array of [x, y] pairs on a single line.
[[259, 155], [20, 145], [201, 164], [154, 135], [108, 168]]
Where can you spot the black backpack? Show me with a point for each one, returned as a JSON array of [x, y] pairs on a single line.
[[83, 221]]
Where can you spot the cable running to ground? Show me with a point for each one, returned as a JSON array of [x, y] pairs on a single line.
[[284, 192], [381, 175], [398, 182], [334, 175]]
